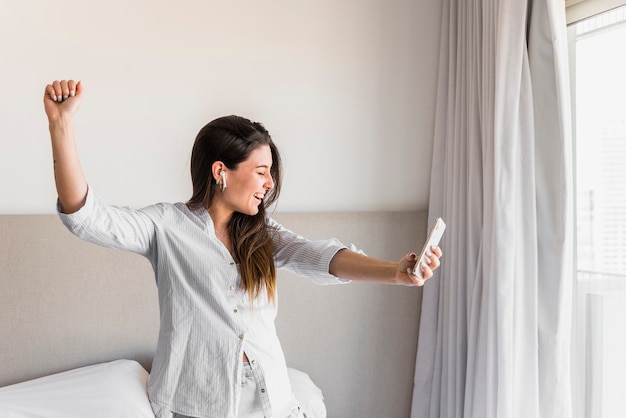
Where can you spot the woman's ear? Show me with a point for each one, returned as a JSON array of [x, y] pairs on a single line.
[[216, 169]]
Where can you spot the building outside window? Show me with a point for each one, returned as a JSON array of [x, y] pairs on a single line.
[[598, 76]]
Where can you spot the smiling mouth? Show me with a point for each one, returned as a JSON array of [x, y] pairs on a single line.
[[259, 196]]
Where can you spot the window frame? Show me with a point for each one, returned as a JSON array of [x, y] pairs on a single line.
[[577, 10]]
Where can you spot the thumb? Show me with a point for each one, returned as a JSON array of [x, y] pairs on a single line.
[[408, 261]]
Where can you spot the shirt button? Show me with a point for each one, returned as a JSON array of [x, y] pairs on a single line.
[[252, 362], [263, 390], [235, 310], [232, 263], [232, 288], [241, 336]]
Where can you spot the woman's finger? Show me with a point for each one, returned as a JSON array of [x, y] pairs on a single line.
[[433, 262], [50, 92], [58, 92], [71, 85], [65, 90]]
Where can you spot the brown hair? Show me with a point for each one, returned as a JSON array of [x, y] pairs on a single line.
[[231, 139]]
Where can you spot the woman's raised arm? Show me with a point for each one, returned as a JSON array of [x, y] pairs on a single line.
[[61, 101]]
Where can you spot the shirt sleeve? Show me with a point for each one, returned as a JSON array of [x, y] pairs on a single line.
[[310, 259], [111, 226]]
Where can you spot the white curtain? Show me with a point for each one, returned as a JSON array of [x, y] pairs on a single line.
[[495, 328]]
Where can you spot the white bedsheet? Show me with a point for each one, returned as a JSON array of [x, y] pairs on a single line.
[[308, 395], [115, 389]]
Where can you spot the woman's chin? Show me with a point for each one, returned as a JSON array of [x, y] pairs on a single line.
[[252, 211]]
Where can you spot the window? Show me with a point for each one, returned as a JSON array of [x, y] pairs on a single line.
[[598, 63]]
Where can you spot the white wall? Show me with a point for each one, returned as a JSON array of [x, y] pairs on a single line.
[[346, 88]]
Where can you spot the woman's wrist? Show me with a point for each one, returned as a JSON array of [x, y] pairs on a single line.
[[61, 129], [59, 123]]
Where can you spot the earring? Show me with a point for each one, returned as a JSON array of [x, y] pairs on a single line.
[[222, 182]]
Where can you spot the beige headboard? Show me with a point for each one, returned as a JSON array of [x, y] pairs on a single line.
[[65, 303]]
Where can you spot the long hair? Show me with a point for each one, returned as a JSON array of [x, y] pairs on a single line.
[[231, 139]]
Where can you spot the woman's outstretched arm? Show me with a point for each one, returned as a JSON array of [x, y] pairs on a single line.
[[351, 265], [61, 101]]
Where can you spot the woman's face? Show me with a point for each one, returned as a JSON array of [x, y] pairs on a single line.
[[247, 184]]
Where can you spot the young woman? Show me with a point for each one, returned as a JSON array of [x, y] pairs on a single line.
[[215, 259]]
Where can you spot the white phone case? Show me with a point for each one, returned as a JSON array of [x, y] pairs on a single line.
[[434, 236]]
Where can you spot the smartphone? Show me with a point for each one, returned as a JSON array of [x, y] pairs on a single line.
[[434, 236]]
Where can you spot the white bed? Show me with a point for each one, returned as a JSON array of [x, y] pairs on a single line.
[[115, 389]]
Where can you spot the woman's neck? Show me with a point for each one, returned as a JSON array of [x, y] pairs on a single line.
[[220, 217]]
